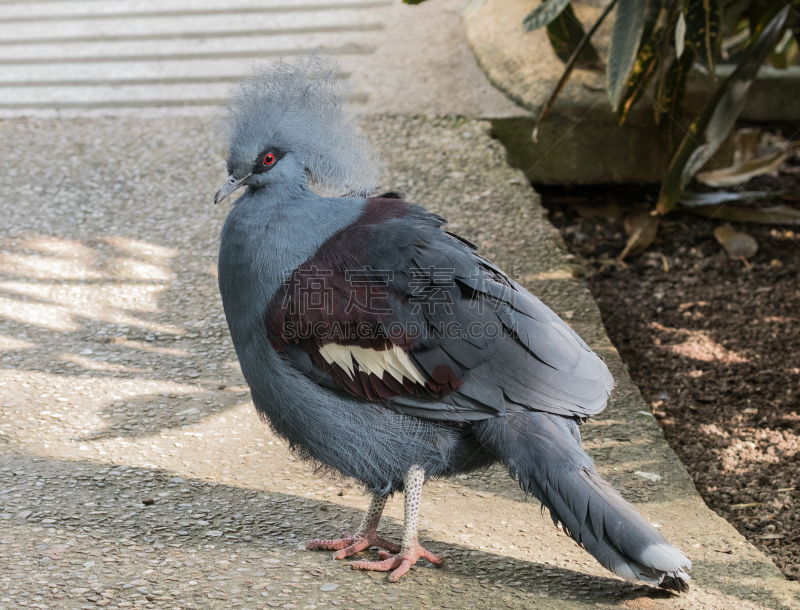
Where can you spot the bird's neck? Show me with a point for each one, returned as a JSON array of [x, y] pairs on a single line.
[[285, 226], [267, 234]]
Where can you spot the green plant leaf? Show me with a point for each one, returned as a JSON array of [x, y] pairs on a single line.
[[703, 23], [543, 14], [413, 2], [711, 128], [643, 71], [669, 16], [566, 33], [717, 198], [731, 15], [670, 97], [625, 40], [653, 18], [733, 97], [571, 62], [790, 43]]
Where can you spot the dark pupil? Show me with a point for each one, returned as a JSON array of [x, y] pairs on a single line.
[[269, 159]]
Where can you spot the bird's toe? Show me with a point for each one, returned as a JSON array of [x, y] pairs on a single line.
[[358, 545], [330, 545], [405, 566], [347, 545], [390, 563], [432, 557], [398, 564], [385, 544]]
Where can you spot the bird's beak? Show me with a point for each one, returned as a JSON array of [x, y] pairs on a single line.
[[231, 184]]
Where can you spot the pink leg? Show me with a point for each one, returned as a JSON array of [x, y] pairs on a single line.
[[366, 536], [410, 550]]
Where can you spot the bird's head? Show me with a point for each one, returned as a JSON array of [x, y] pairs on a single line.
[[288, 124]]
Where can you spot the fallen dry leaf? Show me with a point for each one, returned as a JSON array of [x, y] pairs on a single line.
[[741, 173], [745, 163], [642, 229], [737, 244]]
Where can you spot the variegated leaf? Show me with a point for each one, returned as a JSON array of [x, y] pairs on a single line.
[[710, 129], [543, 14], [703, 19], [625, 40], [565, 33]]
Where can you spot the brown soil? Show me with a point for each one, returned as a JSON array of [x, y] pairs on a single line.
[[715, 349]]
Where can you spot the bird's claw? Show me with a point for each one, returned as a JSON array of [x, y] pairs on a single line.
[[350, 545], [398, 564]]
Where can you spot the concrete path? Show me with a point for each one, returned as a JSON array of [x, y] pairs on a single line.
[[133, 469], [79, 57]]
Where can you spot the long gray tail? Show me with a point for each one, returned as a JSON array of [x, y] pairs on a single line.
[[543, 452]]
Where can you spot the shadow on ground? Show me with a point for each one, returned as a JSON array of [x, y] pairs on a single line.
[[89, 528]]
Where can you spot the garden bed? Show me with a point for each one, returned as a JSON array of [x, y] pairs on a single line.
[[714, 346]]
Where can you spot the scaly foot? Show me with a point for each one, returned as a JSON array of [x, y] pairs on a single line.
[[398, 564], [349, 545]]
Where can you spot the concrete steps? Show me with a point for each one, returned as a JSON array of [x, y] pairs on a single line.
[[60, 10], [71, 55]]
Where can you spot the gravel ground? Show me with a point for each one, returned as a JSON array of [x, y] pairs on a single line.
[[715, 349], [133, 469]]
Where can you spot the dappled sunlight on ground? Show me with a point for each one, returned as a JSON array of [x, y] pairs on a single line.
[[737, 456], [47, 316], [9, 343], [54, 283], [171, 351], [715, 349], [696, 344], [50, 258], [93, 349], [88, 404], [92, 365]]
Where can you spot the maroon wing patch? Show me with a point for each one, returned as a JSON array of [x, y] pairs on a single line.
[[342, 311]]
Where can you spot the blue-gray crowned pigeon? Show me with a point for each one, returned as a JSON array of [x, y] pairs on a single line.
[[385, 349]]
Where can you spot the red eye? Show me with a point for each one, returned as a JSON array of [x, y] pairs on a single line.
[[269, 159]]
